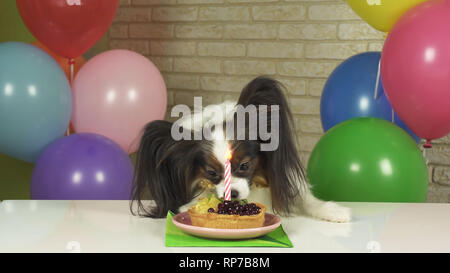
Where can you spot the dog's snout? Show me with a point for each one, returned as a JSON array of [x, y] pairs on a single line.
[[234, 194]]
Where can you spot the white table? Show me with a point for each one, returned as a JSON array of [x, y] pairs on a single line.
[[108, 226]]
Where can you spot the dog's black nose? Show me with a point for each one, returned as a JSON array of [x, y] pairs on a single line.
[[234, 194]]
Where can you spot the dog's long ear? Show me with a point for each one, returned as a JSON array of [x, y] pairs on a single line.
[[163, 171], [284, 171]]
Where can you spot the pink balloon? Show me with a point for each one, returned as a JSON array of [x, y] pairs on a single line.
[[415, 69], [115, 94]]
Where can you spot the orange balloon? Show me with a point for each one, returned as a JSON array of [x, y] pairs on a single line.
[[63, 62]]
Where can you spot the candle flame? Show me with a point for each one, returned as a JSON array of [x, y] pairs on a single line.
[[228, 154]]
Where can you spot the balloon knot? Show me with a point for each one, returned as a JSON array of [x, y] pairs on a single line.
[[71, 61], [428, 145]]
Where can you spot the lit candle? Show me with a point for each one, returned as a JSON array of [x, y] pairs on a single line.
[[228, 176]]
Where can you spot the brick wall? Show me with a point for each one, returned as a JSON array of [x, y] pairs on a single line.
[[212, 48]]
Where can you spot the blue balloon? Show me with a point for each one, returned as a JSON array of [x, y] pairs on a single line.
[[349, 93], [35, 100]]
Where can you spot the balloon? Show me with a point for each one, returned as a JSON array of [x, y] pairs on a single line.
[[35, 101], [382, 14], [349, 93], [12, 27], [368, 160], [115, 94], [82, 167], [15, 178], [401, 124], [63, 62], [415, 69], [65, 65], [68, 27]]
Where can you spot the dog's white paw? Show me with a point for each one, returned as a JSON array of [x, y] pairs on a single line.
[[330, 211]]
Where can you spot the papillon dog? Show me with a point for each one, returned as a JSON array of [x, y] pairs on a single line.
[[175, 172]]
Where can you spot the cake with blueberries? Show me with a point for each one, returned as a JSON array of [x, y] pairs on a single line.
[[234, 214]]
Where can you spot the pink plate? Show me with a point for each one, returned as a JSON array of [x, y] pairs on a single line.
[[183, 221]]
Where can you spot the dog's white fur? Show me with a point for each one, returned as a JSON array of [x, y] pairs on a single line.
[[307, 204]]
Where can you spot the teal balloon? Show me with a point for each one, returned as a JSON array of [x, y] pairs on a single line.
[[368, 160], [35, 100]]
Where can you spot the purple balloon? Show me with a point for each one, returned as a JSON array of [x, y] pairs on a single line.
[[82, 167]]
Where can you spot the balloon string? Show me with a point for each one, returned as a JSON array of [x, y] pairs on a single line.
[[393, 116], [375, 95], [71, 64], [424, 154]]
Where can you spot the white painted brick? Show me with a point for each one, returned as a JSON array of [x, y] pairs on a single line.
[[250, 31], [332, 12], [224, 83], [249, 68], [275, 50], [308, 31], [175, 14], [334, 50], [176, 48], [305, 106], [294, 86], [178, 81], [221, 49], [315, 87], [224, 14], [441, 175], [193, 65], [151, 30], [279, 13], [133, 45], [306, 68], [199, 31], [358, 31]]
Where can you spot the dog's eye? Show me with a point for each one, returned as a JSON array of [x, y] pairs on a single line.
[[243, 166], [212, 173]]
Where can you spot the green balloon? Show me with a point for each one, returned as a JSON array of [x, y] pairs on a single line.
[[368, 160], [12, 27]]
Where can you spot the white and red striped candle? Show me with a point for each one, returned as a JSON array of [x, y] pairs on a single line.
[[228, 176]]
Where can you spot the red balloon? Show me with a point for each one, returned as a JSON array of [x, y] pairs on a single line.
[[68, 27], [415, 69]]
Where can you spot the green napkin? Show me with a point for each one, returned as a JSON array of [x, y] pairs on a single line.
[[175, 237]]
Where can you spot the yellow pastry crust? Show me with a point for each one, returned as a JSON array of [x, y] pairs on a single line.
[[215, 220]]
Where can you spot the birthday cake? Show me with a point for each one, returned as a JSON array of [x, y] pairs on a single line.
[[212, 212]]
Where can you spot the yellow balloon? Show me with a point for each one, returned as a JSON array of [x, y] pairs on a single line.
[[382, 14]]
